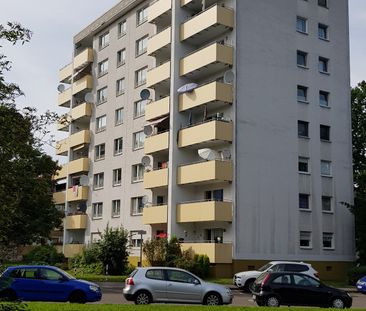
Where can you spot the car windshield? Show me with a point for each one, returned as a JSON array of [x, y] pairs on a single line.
[[70, 277], [261, 278], [265, 267]]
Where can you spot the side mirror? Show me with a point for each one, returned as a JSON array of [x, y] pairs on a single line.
[[196, 282]]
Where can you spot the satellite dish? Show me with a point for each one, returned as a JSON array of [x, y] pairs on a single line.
[[187, 88], [82, 206], [146, 161], [89, 98], [84, 180], [61, 88], [229, 77], [208, 154], [226, 154], [148, 130], [145, 94], [145, 199]]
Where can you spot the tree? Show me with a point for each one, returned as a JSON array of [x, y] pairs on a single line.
[[155, 251]]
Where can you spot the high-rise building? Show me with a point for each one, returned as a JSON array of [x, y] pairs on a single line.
[[224, 123]]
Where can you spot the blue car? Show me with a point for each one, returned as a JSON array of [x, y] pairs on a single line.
[[46, 283], [361, 285]]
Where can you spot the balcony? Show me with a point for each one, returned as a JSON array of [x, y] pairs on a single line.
[[62, 147], [64, 75], [71, 250], [63, 125], [214, 94], [83, 59], [81, 112], [157, 143], [196, 4], [78, 166], [62, 173], [204, 211], [85, 83], [207, 61], [79, 193], [76, 222], [59, 197], [64, 98], [217, 252], [156, 179], [207, 25], [155, 215], [157, 109], [79, 138], [160, 12], [161, 40], [158, 75], [205, 172], [206, 134]]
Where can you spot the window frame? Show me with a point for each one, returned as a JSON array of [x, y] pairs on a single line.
[[97, 121], [139, 108], [102, 95], [116, 114], [121, 57], [97, 210], [119, 28], [303, 160], [325, 95], [309, 233], [136, 209], [101, 70], [305, 57], [103, 40], [305, 23], [328, 173], [304, 89], [332, 242], [98, 181], [330, 204], [305, 125], [141, 19], [116, 207], [98, 154], [140, 73], [136, 175], [322, 28], [144, 41], [307, 196], [324, 61], [117, 173], [324, 129], [323, 5], [138, 140], [120, 83], [118, 146]]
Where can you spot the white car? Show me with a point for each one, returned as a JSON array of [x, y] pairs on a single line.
[[245, 279]]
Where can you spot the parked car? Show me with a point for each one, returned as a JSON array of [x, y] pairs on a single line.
[[361, 285], [164, 284], [46, 283], [288, 288], [246, 279]]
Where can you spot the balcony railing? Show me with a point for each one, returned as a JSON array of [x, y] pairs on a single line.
[[81, 111], [59, 197], [65, 73], [157, 143], [158, 75], [155, 215], [160, 12], [157, 109], [78, 166], [62, 147], [85, 83], [156, 179], [71, 250], [76, 222], [84, 58], [64, 98], [159, 41], [217, 252], [78, 193], [79, 138]]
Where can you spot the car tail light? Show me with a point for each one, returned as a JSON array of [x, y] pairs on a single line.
[[129, 281], [316, 274], [265, 280]]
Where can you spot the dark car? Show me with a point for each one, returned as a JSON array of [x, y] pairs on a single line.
[[286, 288], [46, 283]]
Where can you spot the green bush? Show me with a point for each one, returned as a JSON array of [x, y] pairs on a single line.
[[87, 262], [197, 264], [13, 306], [355, 273], [44, 254]]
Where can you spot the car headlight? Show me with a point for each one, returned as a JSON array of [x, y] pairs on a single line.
[[362, 283], [94, 288]]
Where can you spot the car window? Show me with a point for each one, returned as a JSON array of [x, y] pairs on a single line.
[[30, 273], [48, 274], [260, 278], [278, 268], [180, 276], [296, 268], [265, 267], [303, 280], [155, 274], [282, 279], [16, 273]]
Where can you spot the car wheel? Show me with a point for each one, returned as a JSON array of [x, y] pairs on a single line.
[[338, 303], [8, 295], [77, 297], [212, 299], [248, 285], [143, 298], [272, 302]]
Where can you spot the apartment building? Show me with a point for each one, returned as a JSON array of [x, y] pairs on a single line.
[[224, 123]]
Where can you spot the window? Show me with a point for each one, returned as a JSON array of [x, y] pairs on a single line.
[[118, 116], [138, 140], [284, 279], [99, 152], [141, 16], [302, 58], [296, 267], [155, 274], [141, 45], [181, 277], [140, 76], [98, 181], [302, 128], [139, 108], [137, 172], [323, 65], [116, 208], [301, 24], [120, 86], [303, 165], [325, 168], [103, 40], [304, 201], [324, 132], [102, 95], [305, 239], [103, 68], [135, 239], [121, 57], [48, 274], [323, 31], [122, 28], [117, 177], [323, 98], [214, 195], [136, 206], [328, 242], [101, 123], [323, 3], [97, 210], [326, 204], [305, 281], [302, 93], [118, 146]]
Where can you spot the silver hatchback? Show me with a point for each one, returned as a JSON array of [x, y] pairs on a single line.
[[164, 284]]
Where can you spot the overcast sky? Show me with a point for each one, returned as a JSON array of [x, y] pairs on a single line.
[[54, 23]]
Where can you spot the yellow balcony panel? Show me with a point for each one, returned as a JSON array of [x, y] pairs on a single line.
[[62, 147], [79, 138], [64, 98], [59, 197], [62, 173], [155, 215], [207, 25], [207, 61], [78, 166], [158, 75], [196, 4], [205, 172], [157, 143], [156, 179], [161, 40], [83, 111], [204, 211], [76, 222], [83, 59], [65, 73], [206, 134], [85, 83], [160, 12], [79, 193], [217, 252], [157, 109], [71, 250]]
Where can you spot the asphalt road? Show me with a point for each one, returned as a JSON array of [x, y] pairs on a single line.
[[112, 294]]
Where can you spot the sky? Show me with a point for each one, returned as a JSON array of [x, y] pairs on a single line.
[[54, 23]]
